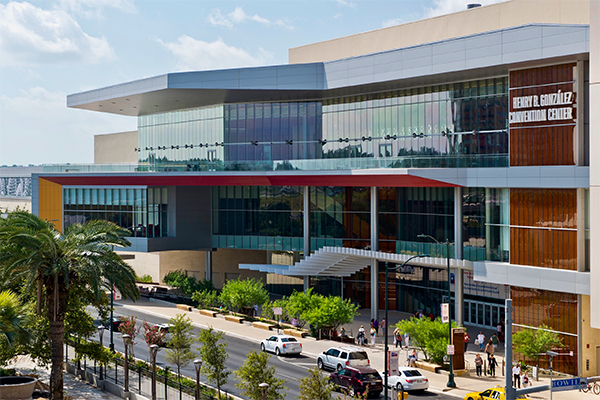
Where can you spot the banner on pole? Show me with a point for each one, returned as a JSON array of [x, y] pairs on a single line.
[[445, 312]]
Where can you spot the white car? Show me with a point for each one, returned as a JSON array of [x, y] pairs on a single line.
[[281, 344], [408, 379], [337, 358]]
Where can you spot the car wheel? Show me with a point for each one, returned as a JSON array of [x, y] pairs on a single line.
[[320, 363], [351, 391], [277, 352], [333, 385], [339, 368], [262, 347], [470, 398], [399, 386]]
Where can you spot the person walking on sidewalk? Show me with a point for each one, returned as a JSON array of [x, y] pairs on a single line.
[[373, 336], [493, 365], [517, 376], [360, 337], [376, 326], [495, 341], [478, 364], [406, 339], [481, 340], [397, 338], [467, 338], [382, 326], [489, 349]]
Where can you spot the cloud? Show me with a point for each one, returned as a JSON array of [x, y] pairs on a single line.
[[31, 36], [93, 8], [442, 7], [37, 127], [392, 22], [193, 55], [238, 16], [345, 3]]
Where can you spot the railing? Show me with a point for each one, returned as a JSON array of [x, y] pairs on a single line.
[[140, 379]]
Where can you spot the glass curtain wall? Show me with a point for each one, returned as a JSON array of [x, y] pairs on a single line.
[[258, 217], [455, 125], [142, 211]]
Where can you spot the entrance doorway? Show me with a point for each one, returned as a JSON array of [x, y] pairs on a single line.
[[485, 315]]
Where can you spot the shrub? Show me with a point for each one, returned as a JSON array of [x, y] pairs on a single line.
[[187, 284], [207, 299], [143, 279]]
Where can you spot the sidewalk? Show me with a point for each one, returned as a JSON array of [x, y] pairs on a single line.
[[312, 347]]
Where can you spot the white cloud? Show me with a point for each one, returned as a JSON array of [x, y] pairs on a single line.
[[238, 16], [442, 7], [37, 128], [345, 3], [31, 36], [93, 8], [194, 55], [392, 22]]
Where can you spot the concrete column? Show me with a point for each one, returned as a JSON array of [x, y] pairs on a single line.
[[208, 263], [306, 230], [458, 254], [581, 230], [374, 247]]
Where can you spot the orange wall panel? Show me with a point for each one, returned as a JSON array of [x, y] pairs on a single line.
[[51, 202]]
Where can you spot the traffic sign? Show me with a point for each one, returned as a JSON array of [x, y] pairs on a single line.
[[450, 349], [566, 384]]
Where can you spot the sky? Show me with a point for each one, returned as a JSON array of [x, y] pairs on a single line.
[[51, 49]]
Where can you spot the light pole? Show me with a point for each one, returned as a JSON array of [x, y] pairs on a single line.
[[451, 383], [263, 388], [153, 351], [385, 346], [112, 306], [198, 366], [101, 329], [126, 338]]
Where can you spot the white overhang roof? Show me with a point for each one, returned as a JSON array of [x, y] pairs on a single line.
[[343, 261]]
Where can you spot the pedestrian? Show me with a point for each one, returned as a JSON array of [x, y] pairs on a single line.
[[525, 380], [397, 338], [481, 340], [489, 349], [382, 325], [412, 359], [406, 339], [517, 375], [373, 335], [360, 336], [343, 332], [495, 341], [376, 326], [493, 365], [467, 338], [478, 364]]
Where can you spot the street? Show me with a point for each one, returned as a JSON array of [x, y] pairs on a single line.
[[290, 368]]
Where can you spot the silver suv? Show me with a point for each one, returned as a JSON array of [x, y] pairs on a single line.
[[340, 357]]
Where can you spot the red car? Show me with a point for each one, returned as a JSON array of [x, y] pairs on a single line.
[[357, 380]]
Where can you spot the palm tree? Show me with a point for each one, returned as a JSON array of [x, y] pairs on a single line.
[[13, 320], [34, 252]]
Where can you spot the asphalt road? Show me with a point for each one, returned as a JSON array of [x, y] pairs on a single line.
[[291, 369]]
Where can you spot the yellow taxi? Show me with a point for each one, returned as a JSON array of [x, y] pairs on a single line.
[[496, 393]]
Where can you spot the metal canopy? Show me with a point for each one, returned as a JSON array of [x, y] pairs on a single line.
[[343, 261]]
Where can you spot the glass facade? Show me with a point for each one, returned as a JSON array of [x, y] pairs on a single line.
[[143, 211], [456, 125]]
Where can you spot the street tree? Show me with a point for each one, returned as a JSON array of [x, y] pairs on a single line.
[[14, 331], [34, 253], [214, 354], [315, 386], [256, 370], [301, 302], [179, 350], [430, 336], [153, 334], [534, 343], [129, 326], [330, 312], [243, 295]]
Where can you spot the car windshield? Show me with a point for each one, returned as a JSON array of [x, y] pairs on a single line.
[[291, 339], [359, 355], [369, 376], [412, 372]]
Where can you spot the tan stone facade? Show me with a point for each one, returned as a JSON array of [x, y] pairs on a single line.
[[116, 148]]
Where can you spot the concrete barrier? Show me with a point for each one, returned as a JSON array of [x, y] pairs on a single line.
[[184, 307], [234, 318], [427, 366], [295, 333], [262, 325], [208, 313]]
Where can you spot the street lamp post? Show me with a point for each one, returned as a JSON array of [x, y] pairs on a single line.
[[112, 306], [385, 346], [126, 338], [451, 383], [263, 388], [101, 329], [153, 351], [198, 366]]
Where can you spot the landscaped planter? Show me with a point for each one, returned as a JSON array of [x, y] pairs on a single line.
[[16, 387]]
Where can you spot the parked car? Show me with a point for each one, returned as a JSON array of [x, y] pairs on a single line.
[[341, 357], [408, 379], [281, 344], [164, 328], [496, 393], [357, 380], [116, 323]]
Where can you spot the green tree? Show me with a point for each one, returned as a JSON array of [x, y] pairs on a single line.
[[207, 299], [214, 354], [256, 370], [14, 317], [243, 295], [153, 334], [430, 336], [301, 302], [129, 326], [330, 312], [533, 343], [34, 253], [188, 285], [315, 386], [179, 350]]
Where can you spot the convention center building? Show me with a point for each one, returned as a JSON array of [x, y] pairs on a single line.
[[468, 138]]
